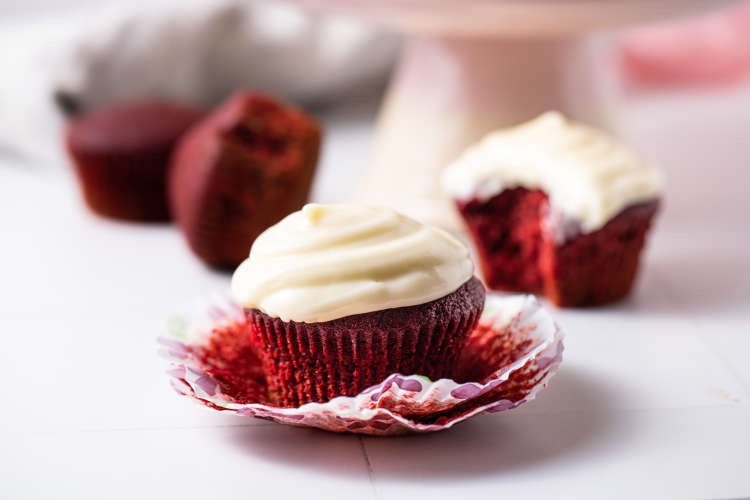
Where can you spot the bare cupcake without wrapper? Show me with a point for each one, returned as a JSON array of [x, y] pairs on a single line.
[[510, 355]]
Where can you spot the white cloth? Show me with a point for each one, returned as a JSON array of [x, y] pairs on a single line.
[[197, 52]]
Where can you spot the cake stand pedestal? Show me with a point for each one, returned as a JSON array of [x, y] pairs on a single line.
[[472, 66]]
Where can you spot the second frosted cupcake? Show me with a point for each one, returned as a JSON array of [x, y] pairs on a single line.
[[340, 296]]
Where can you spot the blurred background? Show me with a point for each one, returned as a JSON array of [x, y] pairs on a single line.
[[401, 88], [470, 70]]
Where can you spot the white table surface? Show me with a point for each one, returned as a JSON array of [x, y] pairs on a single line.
[[652, 399]]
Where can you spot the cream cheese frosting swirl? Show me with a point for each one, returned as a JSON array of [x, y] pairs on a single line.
[[330, 261], [588, 175]]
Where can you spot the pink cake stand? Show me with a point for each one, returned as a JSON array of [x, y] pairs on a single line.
[[471, 66]]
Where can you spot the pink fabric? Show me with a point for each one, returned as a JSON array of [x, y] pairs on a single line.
[[713, 49]]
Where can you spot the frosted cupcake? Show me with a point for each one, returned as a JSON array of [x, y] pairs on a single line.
[[340, 296], [556, 207]]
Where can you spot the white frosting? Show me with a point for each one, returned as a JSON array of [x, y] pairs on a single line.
[[330, 261], [588, 175]]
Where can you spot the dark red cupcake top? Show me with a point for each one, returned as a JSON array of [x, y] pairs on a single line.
[[133, 126]]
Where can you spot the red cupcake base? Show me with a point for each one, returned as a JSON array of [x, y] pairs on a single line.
[[509, 356], [121, 155], [307, 362], [241, 170], [520, 250]]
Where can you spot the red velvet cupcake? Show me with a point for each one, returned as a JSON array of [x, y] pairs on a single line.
[[556, 208], [242, 169], [121, 155], [340, 296]]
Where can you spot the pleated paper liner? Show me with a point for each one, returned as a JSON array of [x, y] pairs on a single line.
[[510, 355], [306, 362]]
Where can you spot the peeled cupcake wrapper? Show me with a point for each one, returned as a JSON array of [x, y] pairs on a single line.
[[512, 353]]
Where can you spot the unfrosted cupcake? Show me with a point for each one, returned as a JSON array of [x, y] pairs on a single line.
[[248, 164], [340, 296], [556, 207], [121, 156]]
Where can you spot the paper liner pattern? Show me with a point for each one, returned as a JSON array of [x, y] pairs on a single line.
[[511, 354]]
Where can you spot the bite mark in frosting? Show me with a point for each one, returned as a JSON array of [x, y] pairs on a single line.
[[330, 261], [587, 174]]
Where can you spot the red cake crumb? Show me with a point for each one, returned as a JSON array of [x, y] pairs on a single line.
[[510, 227], [517, 252], [231, 359], [489, 349], [121, 155], [318, 361], [241, 170]]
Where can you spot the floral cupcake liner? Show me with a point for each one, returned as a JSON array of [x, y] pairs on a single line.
[[511, 354]]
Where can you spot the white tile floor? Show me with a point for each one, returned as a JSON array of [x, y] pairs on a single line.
[[652, 400]]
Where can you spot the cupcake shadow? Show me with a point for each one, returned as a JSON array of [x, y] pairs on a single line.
[[691, 283], [569, 417]]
